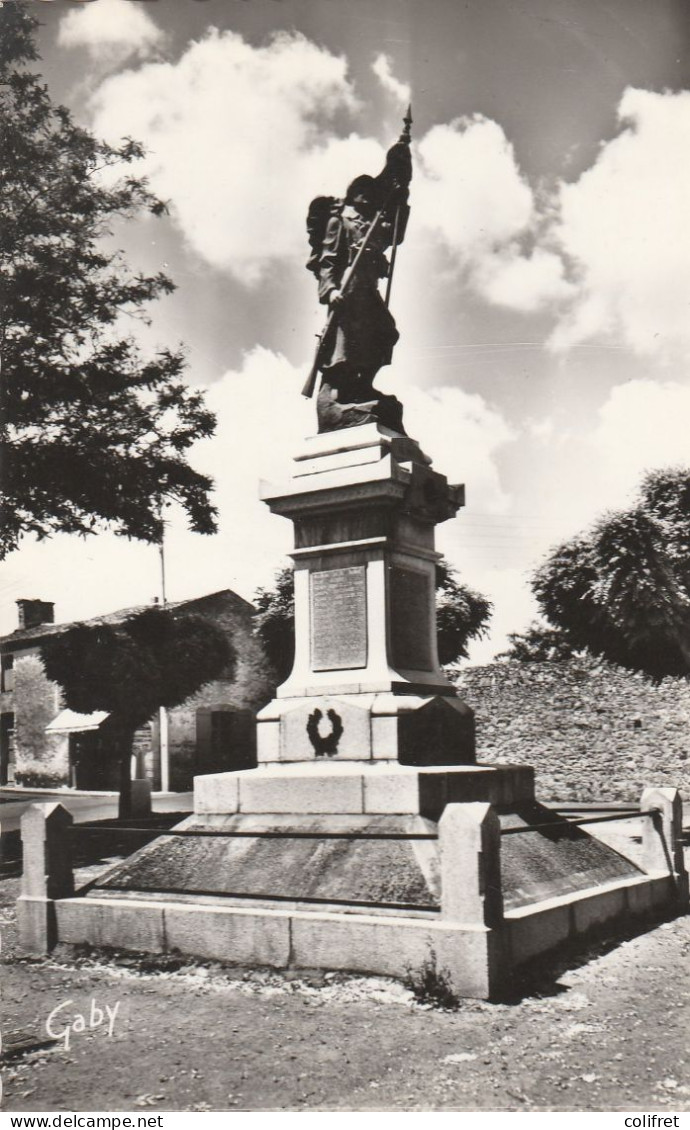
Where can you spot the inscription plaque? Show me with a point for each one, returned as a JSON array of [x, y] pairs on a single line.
[[410, 619], [339, 619]]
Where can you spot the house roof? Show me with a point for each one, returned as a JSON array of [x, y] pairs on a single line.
[[23, 636]]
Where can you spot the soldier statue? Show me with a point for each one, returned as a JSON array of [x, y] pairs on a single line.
[[349, 239]]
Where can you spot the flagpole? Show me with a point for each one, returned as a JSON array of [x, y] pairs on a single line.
[[405, 138]]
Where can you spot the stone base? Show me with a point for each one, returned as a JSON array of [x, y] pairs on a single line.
[[470, 959], [367, 895], [410, 729], [382, 868], [342, 787]]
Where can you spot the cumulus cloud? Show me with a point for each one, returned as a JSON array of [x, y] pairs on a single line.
[[463, 434], [400, 91], [473, 197], [607, 255], [470, 190], [240, 140], [624, 226], [526, 283], [642, 426], [111, 30]]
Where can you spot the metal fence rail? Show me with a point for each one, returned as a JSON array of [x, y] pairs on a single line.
[[295, 834], [551, 824], [224, 833]]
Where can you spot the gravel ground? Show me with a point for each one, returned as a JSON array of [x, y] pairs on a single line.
[[609, 1033]]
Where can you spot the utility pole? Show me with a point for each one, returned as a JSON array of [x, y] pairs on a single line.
[[163, 738]]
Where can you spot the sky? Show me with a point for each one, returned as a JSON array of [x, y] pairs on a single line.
[[541, 293]]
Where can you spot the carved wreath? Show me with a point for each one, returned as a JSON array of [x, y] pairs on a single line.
[[325, 745]]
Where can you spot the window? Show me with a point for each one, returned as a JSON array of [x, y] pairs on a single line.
[[7, 758], [7, 673]]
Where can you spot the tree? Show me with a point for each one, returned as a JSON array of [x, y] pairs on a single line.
[[538, 644], [461, 615], [622, 590], [130, 669], [93, 434], [274, 623]]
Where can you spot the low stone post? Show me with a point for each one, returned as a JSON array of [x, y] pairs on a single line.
[[470, 848], [662, 849], [47, 874], [140, 800]]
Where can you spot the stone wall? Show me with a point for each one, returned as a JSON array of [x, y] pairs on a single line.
[[249, 690], [252, 686], [592, 732]]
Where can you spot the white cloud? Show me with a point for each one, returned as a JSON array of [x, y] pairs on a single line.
[[462, 434], [541, 429], [514, 608], [522, 282], [624, 225], [262, 419], [608, 254], [642, 426], [240, 140], [471, 194], [111, 30], [470, 191], [400, 91]]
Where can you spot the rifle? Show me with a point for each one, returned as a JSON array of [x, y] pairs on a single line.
[[310, 383], [394, 252]]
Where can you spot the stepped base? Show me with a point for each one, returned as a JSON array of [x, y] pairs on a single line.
[[358, 893], [375, 863], [347, 787], [372, 879]]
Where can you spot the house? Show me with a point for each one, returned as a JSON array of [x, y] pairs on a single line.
[[43, 745]]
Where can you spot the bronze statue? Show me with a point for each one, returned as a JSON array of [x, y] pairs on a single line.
[[349, 239]]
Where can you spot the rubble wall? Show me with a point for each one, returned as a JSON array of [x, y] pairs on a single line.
[[592, 731]]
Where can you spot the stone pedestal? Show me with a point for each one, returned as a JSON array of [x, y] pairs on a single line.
[[366, 684], [367, 838]]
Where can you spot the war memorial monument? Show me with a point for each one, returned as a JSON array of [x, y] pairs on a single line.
[[368, 838]]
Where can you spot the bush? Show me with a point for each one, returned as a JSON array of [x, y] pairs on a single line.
[[431, 985]]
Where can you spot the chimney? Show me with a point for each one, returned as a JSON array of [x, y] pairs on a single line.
[[32, 613]]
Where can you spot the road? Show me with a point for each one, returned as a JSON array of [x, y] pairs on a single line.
[[84, 807]]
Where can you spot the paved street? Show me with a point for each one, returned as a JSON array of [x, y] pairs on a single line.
[[83, 806]]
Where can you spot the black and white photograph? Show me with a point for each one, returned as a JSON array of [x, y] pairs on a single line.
[[344, 559]]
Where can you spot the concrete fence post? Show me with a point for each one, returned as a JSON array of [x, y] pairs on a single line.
[[662, 849], [470, 849], [46, 875]]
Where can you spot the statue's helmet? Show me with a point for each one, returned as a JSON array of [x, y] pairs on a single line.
[[363, 184]]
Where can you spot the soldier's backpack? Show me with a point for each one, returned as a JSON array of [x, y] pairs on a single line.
[[320, 211]]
